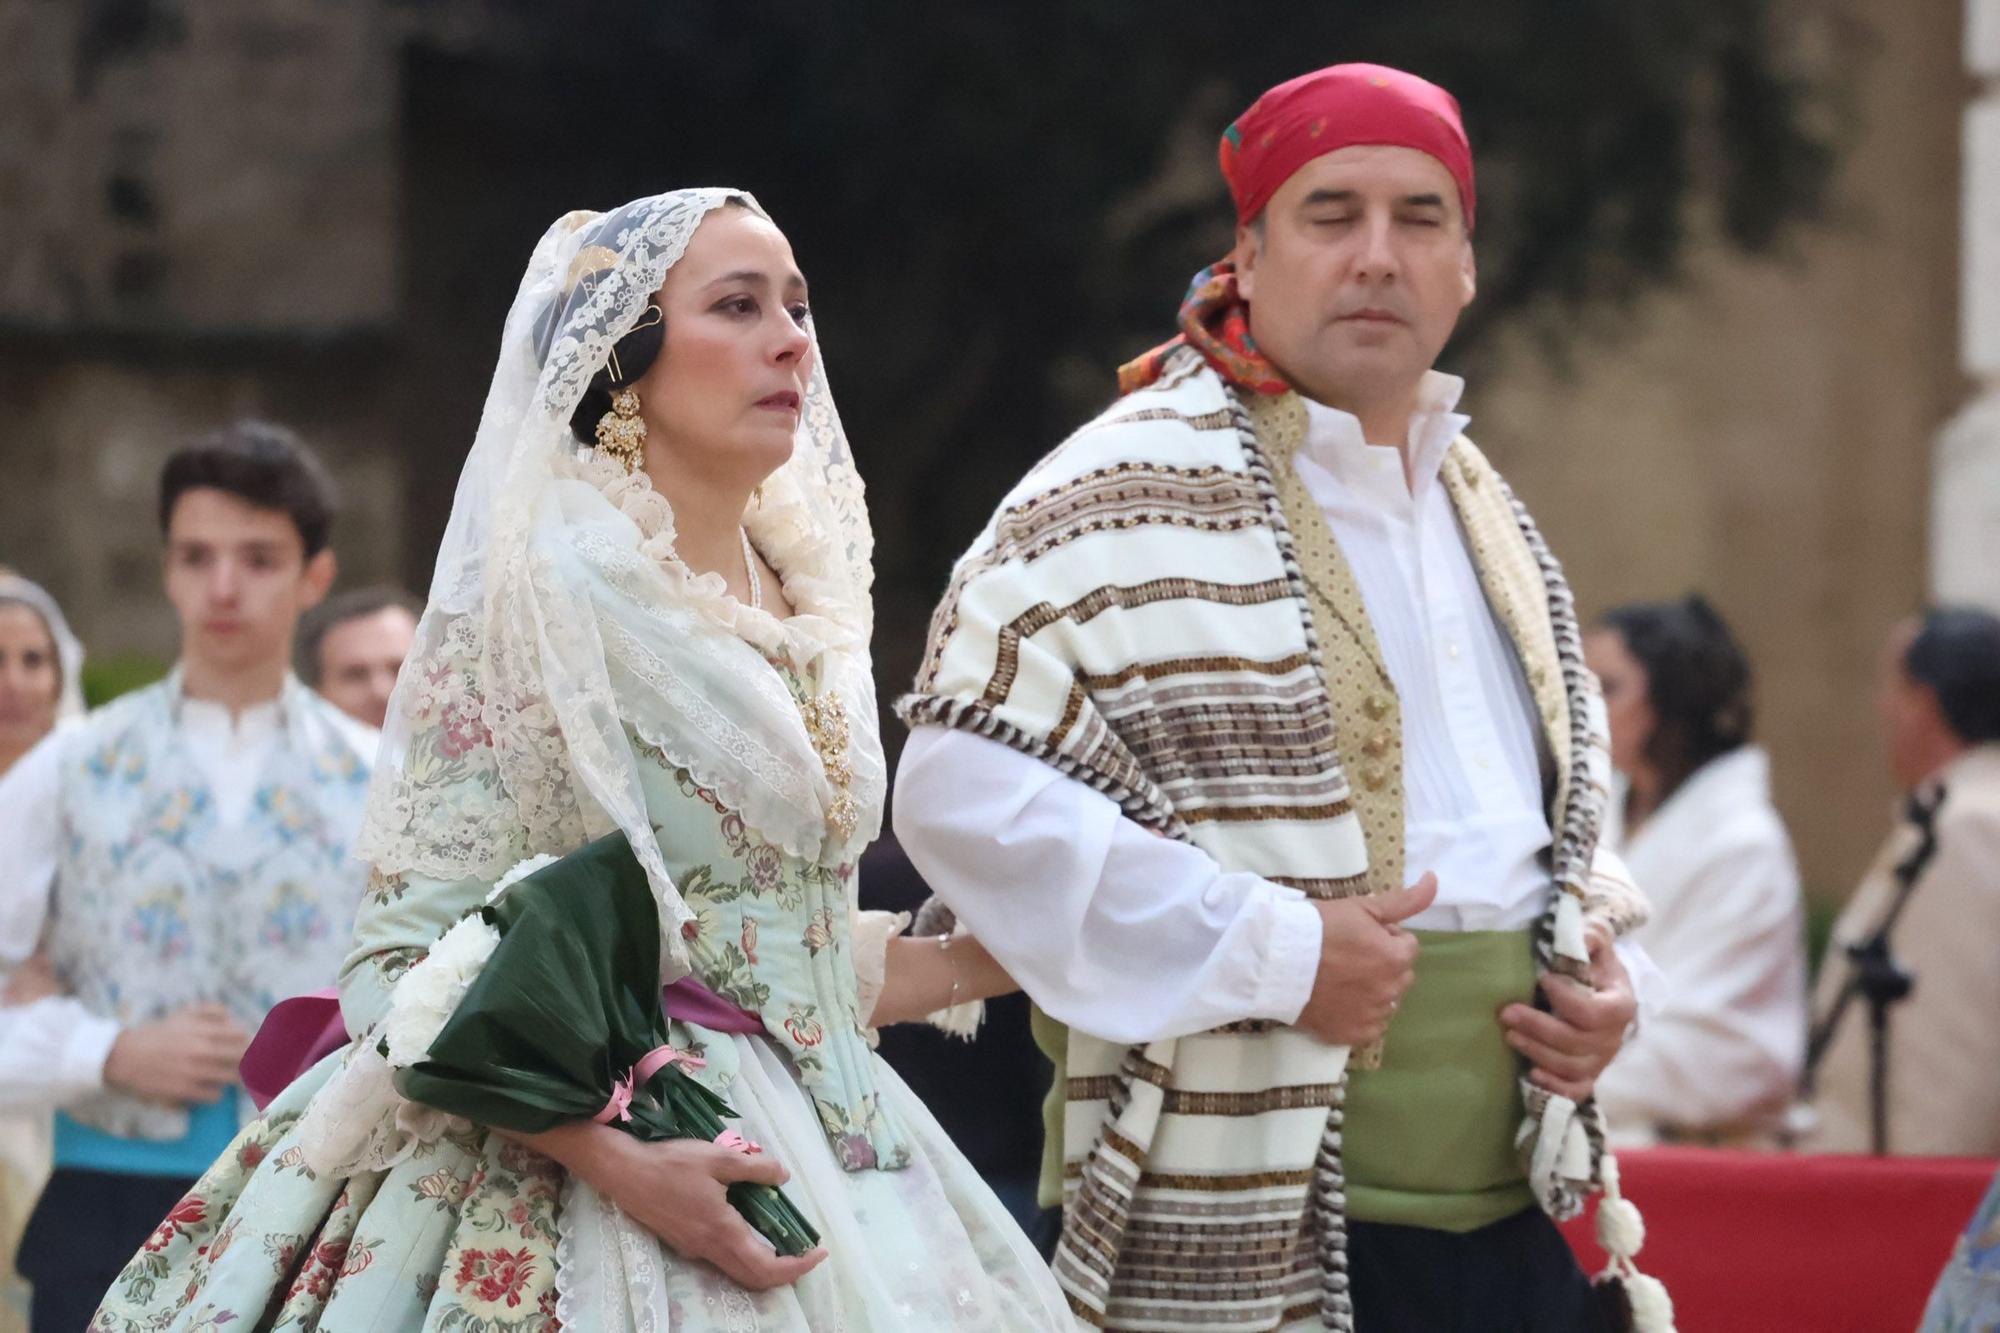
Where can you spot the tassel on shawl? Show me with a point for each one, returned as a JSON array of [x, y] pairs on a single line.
[[1621, 1231], [1565, 1137]]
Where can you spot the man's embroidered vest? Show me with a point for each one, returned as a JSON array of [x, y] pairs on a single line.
[[159, 904]]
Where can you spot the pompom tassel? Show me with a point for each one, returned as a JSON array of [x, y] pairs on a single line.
[[1622, 1233], [1652, 1308], [1620, 1229]]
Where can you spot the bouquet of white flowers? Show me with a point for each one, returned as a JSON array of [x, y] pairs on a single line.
[[543, 1007]]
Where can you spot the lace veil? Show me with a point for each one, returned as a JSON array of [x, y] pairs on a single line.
[[561, 623]]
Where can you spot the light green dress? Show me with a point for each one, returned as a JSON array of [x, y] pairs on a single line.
[[468, 1232]]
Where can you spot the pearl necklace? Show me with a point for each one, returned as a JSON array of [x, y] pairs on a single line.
[[750, 572]]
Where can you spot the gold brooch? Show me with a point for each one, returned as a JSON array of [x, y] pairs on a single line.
[[826, 727]]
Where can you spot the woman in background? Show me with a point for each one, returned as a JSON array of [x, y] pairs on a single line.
[[41, 667], [41, 684], [1720, 1059]]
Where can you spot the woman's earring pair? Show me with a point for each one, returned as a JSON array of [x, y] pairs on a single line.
[[621, 432]]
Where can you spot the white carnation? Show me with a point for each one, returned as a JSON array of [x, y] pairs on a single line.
[[429, 992], [521, 870]]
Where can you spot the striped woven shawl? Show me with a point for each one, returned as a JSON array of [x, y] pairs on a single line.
[[1136, 614]]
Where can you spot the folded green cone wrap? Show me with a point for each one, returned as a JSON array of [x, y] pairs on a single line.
[[562, 1012]]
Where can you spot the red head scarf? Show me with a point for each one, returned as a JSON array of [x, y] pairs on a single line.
[[1332, 108], [1338, 107]]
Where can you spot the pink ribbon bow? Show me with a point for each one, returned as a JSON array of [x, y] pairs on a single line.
[[649, 1064], [729, 1138]]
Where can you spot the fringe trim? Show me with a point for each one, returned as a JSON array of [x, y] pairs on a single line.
[[1148, 808]]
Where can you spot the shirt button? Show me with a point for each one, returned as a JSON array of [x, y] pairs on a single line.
[[1451, 650]]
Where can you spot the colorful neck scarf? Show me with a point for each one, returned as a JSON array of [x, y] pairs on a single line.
[[1215, 322]]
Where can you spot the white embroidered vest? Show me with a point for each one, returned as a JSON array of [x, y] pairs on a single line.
[[159, 903]]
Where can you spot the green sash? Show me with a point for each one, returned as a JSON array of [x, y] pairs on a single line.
[[1429, 1137]]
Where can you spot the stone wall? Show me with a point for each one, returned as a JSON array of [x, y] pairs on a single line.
[[1763, 435], [272, 207], [1965, 489]]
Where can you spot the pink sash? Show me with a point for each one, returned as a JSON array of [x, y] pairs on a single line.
[[296, 1035]]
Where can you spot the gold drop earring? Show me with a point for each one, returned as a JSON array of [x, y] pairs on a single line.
[[621, 432]]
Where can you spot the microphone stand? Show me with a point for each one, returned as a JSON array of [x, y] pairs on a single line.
[[1878, 978]]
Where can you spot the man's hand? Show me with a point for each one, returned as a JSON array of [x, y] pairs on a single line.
[[1571, 1046], [188, 1057], [676, 1189], [1366, 962]]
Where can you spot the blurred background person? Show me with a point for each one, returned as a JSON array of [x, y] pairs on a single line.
[[352, 645], [41, 684], [1932, 899], [41, 667], [1719, 1060], [186, 847]]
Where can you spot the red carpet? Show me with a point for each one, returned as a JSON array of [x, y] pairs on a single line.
[[1784, 1243]]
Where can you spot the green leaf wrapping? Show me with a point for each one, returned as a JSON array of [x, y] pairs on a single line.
[[568, 1002]]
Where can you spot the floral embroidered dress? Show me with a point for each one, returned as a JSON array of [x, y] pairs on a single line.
[[466, 1232], [571, 675]]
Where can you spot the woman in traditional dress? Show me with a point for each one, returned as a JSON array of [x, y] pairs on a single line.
[[650, 613], [1719, 1061], [41, 684]]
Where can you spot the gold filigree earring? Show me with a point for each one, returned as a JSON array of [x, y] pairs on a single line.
[[621, 432]]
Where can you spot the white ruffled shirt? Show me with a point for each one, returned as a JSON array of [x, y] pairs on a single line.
[[1134, 937]]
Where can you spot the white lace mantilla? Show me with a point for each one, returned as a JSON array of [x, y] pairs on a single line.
[[560, 613]]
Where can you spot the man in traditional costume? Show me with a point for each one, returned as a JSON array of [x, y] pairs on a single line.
[[182, 854], [1273, 605], [1929, 908]]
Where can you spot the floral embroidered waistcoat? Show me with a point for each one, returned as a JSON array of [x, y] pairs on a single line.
[[772, 934], [159, 903]]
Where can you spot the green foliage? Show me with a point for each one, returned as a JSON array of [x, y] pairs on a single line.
[[105, 678], [1821, 914], [998, 203]]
